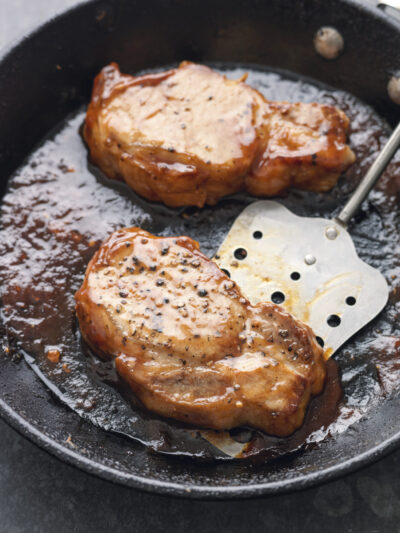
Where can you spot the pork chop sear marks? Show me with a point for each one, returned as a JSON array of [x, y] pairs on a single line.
[[189, 136], [189, 344]]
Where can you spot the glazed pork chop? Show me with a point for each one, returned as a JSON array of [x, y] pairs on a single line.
[[189, 136], [189, 344]]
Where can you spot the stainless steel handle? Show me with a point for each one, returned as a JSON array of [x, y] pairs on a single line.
[[395, 4], [390, 7], [370, 179]]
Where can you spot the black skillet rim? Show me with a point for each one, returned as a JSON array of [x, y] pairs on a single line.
[[170, 488]]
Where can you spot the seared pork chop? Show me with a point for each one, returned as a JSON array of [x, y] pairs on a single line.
[[189, 344], [189, 136]]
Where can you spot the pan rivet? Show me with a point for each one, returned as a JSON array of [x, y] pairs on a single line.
[[309, 259], [331, 233], [328, 42], [393, 89]]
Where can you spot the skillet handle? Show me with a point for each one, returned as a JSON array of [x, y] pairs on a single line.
[[370, 179], [392, 5]]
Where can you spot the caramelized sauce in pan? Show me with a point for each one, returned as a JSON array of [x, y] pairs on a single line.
[[57, 211]]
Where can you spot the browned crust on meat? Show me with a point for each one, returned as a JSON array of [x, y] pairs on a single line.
[[189, 344], [274, 145]]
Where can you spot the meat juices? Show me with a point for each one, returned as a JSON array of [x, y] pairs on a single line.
[[189, 344], [189, 136]]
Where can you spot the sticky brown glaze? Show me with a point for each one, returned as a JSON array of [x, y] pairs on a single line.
[[58, 210], [189, 344], [189, 136]]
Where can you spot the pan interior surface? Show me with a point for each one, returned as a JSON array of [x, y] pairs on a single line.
[[369, 362]]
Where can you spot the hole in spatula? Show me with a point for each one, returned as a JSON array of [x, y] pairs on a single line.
[[350, 300], [278, 297], [226, 272], [320, 341], [257, 235], [240, 253], [295, 276], [333, 321]]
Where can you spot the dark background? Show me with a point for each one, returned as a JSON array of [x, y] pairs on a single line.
[[40, 494]]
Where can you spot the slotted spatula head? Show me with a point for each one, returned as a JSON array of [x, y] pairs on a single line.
[[308, 265]]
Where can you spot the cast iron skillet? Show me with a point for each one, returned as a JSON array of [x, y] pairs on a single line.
[[35, 95]]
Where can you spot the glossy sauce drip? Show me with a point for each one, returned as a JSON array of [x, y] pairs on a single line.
[[57, 211]]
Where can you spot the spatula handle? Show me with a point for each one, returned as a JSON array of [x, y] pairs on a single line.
[[370, 179]]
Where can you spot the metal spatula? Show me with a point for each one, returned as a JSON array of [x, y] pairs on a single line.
[[309, 265]]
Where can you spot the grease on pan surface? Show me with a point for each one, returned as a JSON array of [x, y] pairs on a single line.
[[57, 211]]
